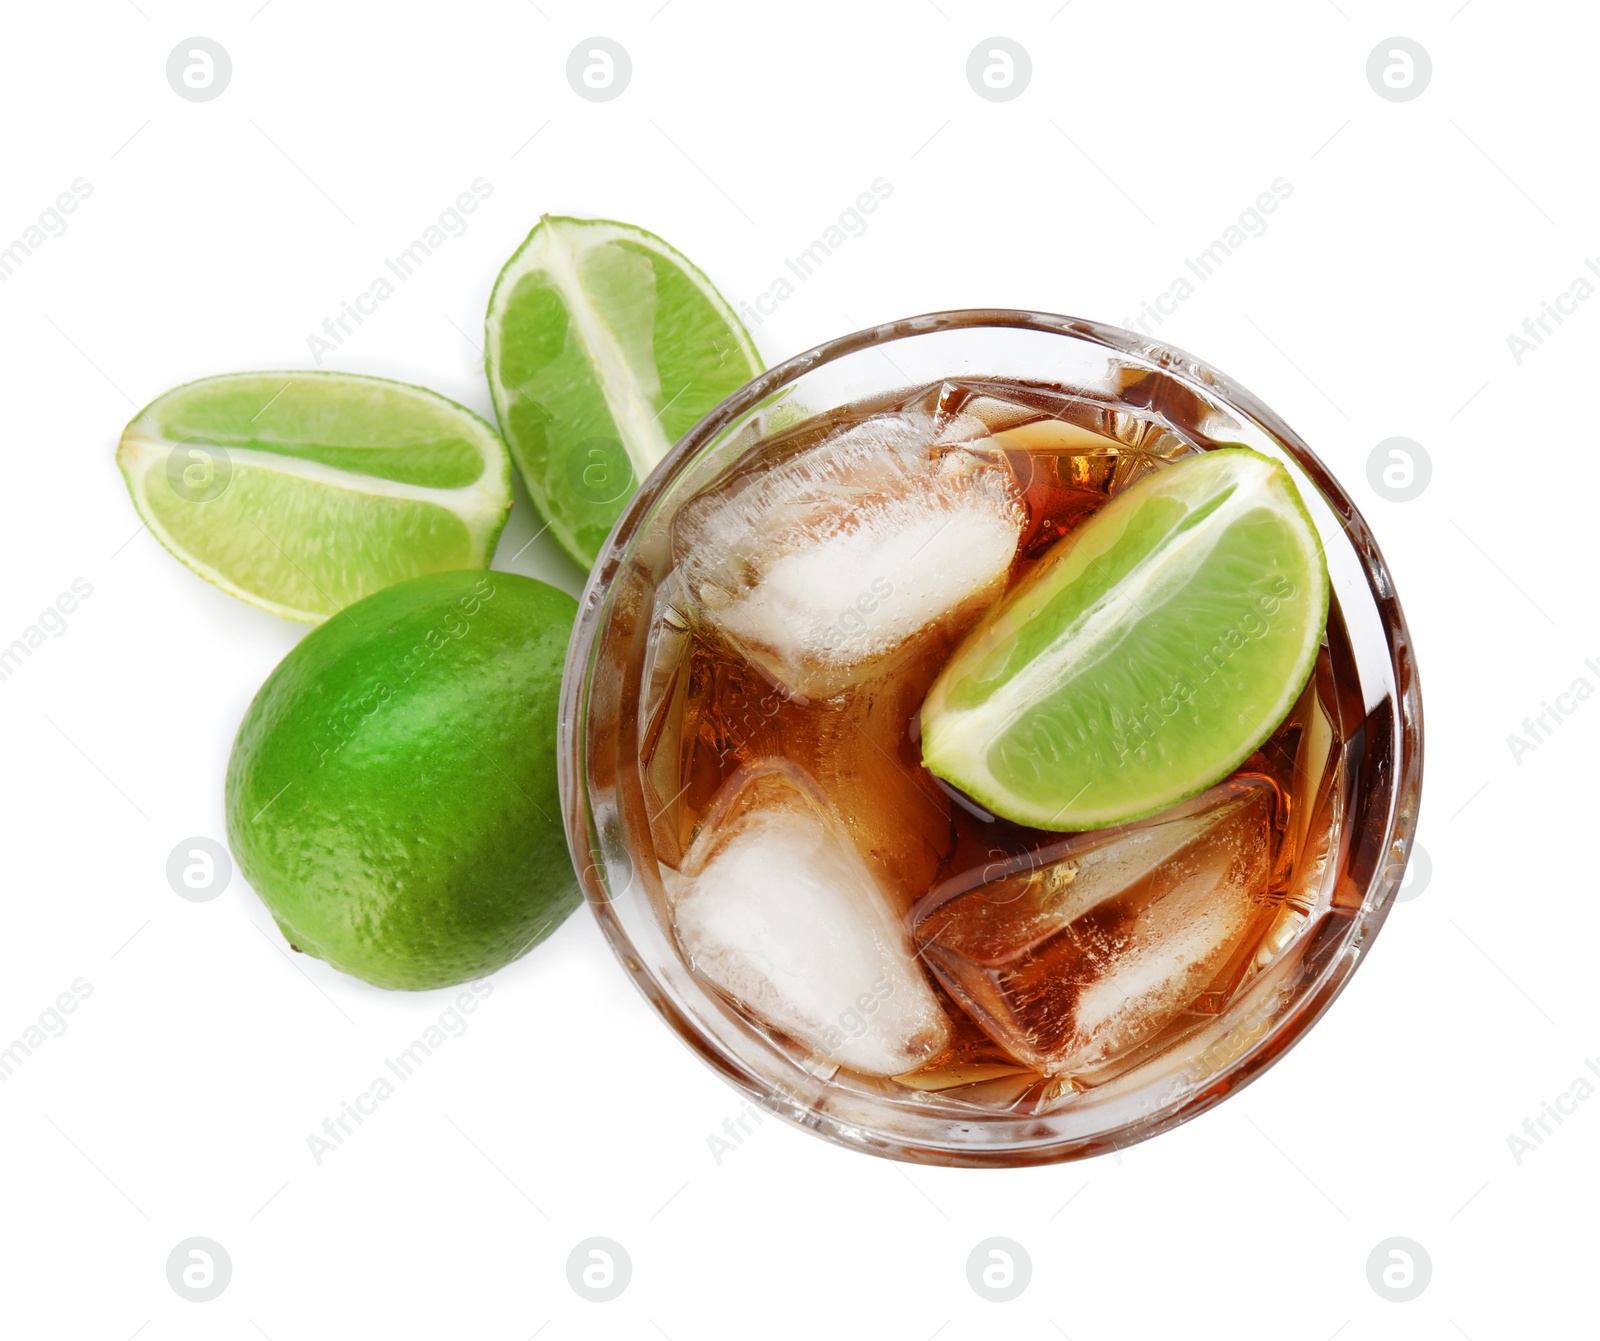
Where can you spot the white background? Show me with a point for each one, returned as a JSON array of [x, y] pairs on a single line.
[[220, 234]]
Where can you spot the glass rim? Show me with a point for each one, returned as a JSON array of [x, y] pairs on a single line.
[[1377, 898]]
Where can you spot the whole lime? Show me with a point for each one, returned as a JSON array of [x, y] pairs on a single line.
[[391, 795]]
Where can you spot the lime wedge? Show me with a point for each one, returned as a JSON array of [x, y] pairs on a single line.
[[302, 492], [604, 345], [1145, 658]]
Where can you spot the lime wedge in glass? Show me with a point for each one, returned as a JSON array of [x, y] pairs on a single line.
[[604, 345], [1146, 656], [302, 492]]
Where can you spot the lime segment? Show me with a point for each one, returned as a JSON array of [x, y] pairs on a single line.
[[302, 492], [1146, 656], [603, 346]]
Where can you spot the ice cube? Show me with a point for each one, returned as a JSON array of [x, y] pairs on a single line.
[[1088, 948], [778, 910], [822, 567], [974, 401], [664, 689]]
